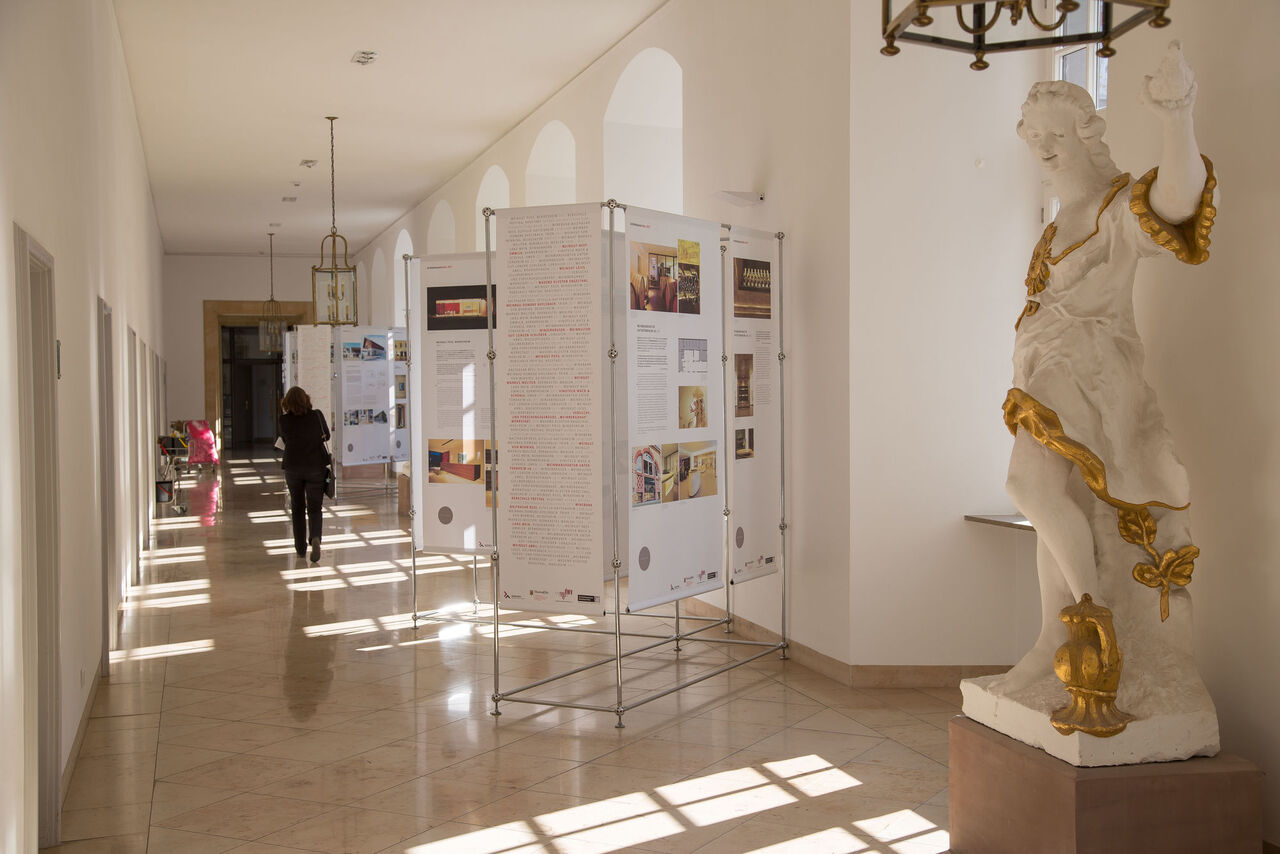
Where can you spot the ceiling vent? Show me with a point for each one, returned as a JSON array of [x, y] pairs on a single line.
[[364, 57], [307, 163], [274, 224], [288, 198]]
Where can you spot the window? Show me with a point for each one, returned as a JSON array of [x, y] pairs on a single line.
[[1080, 64]]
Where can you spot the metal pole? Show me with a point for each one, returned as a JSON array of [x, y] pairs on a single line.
[[493, 443], [408, 366], [677, 625], [475, 585], [782, 464], [612, 204], [726, 562]]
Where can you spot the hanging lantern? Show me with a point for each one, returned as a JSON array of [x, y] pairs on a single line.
[[271, 325], [333, 284], [982, 20]]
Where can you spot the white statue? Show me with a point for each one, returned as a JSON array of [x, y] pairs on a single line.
[[1093, 466]]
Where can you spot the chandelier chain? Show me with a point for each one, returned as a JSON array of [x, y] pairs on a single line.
[[271, 243], [333, 199]]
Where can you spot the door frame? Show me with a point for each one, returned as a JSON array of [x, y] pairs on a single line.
[[38, 436], [108, 476], [220, 313]]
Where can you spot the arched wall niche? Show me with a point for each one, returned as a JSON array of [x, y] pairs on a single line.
[[375, 285], [441, 232], [551, 175], [644, 133], [494, 192], [404, 246]]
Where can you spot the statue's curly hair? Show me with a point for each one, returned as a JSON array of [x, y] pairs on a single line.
[[1089, 125]]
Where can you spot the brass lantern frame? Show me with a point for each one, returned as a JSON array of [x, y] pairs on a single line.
[[339, 305], [916, 13]]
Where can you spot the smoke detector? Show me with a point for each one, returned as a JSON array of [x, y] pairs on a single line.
[[364, 57], [307, 163]]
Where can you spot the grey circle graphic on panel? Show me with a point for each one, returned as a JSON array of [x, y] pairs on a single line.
[[445, 515], [350, 446], [644, 558], [397, 443], [740, 537]]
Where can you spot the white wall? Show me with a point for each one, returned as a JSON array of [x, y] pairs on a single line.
[[944, 209], [1212, 353], [189, 280], [72, 175], [799, 158]]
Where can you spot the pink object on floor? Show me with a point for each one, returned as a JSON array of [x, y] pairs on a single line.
[[203, 449]]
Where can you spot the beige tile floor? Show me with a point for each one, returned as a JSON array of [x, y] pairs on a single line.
[[263, 705]]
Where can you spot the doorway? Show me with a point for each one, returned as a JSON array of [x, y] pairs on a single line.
[[38, 355], [111, 580], [251, 388]]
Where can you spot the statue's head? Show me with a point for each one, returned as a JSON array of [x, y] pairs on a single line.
[[1063, 129]]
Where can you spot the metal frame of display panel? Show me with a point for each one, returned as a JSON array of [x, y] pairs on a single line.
[[659, 639]]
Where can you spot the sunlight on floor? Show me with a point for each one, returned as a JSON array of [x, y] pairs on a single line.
[[640, 817], [166, 650]]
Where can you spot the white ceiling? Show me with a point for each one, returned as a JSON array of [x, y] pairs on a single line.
[[232, 94]]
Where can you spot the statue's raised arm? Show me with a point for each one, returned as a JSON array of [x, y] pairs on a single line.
[[1170, 93]]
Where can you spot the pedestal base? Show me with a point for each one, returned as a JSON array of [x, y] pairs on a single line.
[[1009, 798]]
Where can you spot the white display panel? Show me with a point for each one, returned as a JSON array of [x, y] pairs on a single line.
[[552, 396], [312, 361], [364, 382], [398, 422], [449, 388], [674, 380], [754, 403]]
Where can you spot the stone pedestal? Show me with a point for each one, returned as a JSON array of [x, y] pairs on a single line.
[[1009, 798]]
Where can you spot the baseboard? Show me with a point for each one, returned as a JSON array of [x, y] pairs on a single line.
[[853, 675], [74, 756], [1270, 848]]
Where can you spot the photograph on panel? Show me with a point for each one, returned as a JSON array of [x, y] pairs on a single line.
[[744, 401], [373, 348], [692, 406], [402, 350], [744, 443], [458, 307], [751, 288], [653, 277], [459, 461], [697, 469], [670, 473], [689, 271], [646, 465]]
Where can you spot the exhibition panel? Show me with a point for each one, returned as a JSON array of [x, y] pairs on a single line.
[[398, 422], [675, 417], [551, 391], [753, 307], [363, 387], [454, 475]]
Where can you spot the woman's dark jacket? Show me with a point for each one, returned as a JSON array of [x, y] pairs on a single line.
[[304, 437]]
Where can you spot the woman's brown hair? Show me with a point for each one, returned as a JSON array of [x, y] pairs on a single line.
[[296, 401]]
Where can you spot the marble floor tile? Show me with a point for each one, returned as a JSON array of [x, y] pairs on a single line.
[[298, 710]]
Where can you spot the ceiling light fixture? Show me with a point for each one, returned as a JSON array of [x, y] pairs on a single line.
[[271, 326], [364, 57], [333, 285], [308, 163], [981, 20], [288, 198]]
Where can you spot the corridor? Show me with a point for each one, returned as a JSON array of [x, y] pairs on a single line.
[[265, 705]]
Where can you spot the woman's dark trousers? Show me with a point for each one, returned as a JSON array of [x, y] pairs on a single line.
[[306, 496]]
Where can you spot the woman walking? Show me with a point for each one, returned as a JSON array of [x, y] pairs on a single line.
[[303, 431]]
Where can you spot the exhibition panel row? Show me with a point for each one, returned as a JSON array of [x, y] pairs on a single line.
[[637, 405]]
